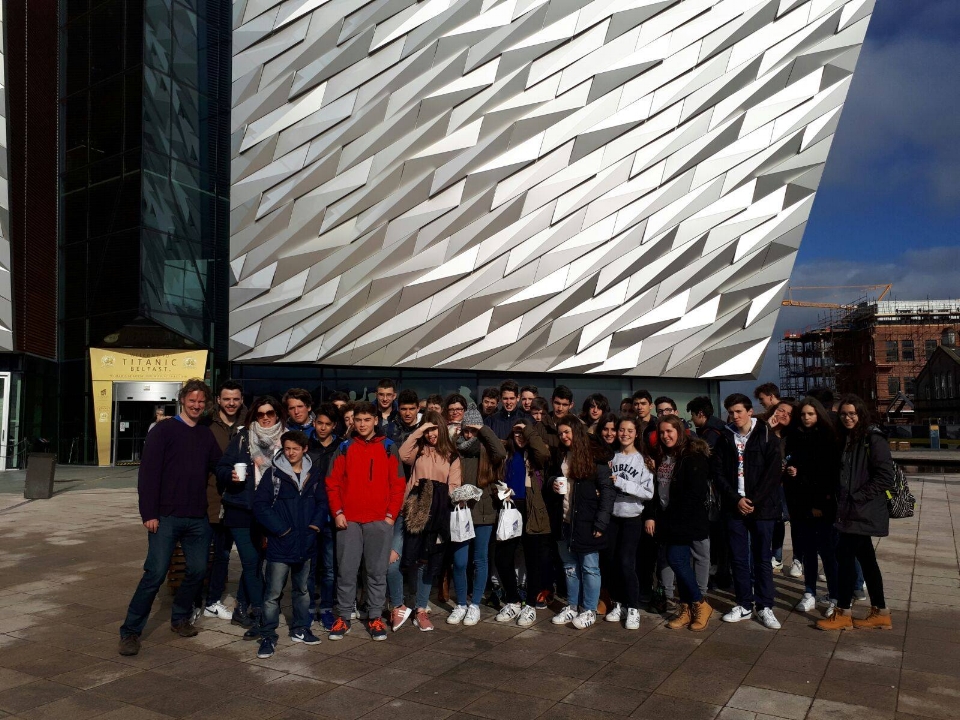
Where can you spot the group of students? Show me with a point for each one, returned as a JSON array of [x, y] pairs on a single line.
[[612, 511]]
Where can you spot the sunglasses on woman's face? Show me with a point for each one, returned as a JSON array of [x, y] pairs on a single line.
[[267, 414]]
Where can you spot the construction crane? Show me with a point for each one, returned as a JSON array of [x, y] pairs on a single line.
[[790, 302]]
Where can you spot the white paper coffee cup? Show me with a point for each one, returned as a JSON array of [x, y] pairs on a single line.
[[241, 470], [561, 485]]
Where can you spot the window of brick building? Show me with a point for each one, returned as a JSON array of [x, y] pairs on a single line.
[[908, 352], [893, 385], [893, 351], [928, 347]]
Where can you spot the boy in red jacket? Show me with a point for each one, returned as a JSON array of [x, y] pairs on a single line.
[[365, 488]]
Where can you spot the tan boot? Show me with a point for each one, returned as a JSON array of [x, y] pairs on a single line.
[[877, 620], [701, 616], [681, 619], [840, 620]]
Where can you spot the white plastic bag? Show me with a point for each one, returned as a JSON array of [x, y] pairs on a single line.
[[461, 525], [510, 524]]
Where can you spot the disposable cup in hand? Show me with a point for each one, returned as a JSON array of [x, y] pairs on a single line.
[[560, 485], [241, 470]]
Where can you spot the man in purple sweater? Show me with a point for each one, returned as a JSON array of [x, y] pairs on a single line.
[[177, 457]]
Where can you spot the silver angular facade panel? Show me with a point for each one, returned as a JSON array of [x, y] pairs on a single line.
[[615, 186], [6, 286]]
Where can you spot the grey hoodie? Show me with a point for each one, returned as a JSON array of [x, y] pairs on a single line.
[[634, 483]]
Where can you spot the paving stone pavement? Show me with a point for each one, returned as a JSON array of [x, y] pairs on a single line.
[[70, 564]]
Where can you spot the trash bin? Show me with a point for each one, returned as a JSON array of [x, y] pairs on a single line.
[[41, 468]]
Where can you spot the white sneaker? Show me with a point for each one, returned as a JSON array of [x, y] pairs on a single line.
[[218, 610], [777, 564], [633, 619], [564, 616], [768, 619], [736, 614], [528, 616], [456, 617], [511, 611], [614, 613], [831, 608], [584, 619], [807, 603], [796, 570], [473, 615]]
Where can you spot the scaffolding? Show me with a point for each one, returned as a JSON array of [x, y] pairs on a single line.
[[808, 357]]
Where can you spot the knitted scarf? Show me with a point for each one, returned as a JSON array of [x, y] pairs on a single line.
[[467, 447], [264, 443]]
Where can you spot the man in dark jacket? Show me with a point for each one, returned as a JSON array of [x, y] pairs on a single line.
[[323, 447], [509, 414], [296, 405], [224, 423], [747, 477], [177, 458], [290, 504], [711, 430]]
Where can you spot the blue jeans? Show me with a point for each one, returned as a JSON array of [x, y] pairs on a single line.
[[251, 580], [276, 579], [583, 574], [193, 535], [481, 563], [324, 566], [751, 543], [813, 538], [394, 574], [680, 559], [222, 545]]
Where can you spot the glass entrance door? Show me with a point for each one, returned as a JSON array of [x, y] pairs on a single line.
[[137, 407], [4, 418]]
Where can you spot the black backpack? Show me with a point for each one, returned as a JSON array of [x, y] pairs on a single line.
[[900, 500]]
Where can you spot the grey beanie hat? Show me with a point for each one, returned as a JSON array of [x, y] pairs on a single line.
[[472, 416]]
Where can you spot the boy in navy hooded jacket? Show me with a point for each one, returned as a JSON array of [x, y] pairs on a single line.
[[291, 504]]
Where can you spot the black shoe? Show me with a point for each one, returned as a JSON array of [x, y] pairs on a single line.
[[183, 628], [253, 632], [129, 644], [241, 618]]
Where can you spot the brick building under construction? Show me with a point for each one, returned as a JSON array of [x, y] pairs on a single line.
[[873, 349]]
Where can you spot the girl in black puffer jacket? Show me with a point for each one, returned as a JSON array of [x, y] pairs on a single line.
[[587, 508], [810, 485], [680, 514], [866, 474]]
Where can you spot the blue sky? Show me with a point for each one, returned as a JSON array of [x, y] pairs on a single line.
[[888, 207]]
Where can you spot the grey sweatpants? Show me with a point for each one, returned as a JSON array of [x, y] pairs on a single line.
[[370, 541], [700, 549]]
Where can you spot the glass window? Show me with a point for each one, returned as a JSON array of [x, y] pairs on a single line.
[[156, 35], [908, 352], [186, 128], [106, 50], [949, 384], [156, 111], [910, 386], [928, 347], [106, 118], [189, 32], [75, 131], [893, 386], [77, 42], [892, 351]]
